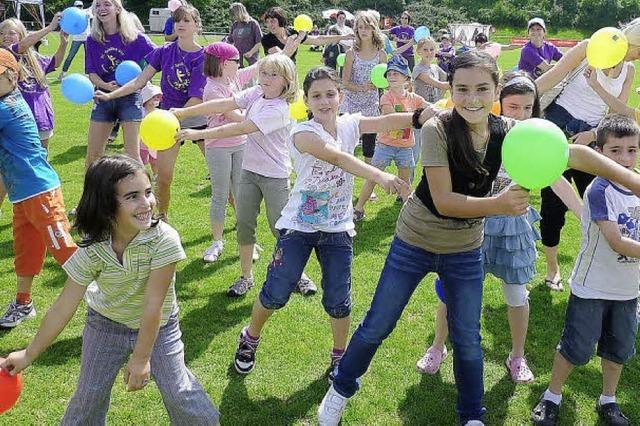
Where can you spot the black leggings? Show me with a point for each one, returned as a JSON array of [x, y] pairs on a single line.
[[552, 209], [368, 144]]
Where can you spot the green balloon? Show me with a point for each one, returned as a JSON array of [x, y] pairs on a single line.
[[340, 59], [377, 76], [535, 153]]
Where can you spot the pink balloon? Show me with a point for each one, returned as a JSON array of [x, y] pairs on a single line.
[[173, 5]]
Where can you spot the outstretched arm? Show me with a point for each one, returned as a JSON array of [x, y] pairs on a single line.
[[36, 36], [225, 131], [587, 160], [210, 107], [132, 86]]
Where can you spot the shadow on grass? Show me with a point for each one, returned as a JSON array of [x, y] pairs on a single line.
[[430, 402], [238, 408], [204, 192], [60, 352], [72, 154], [375, 230]]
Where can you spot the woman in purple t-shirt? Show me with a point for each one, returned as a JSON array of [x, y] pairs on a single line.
[[33, 82], [403, 34], [114, 38], [182, 84]]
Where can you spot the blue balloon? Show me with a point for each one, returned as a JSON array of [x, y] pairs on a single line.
[[127, 71], [74, 21], [420, 33], [387, 46], [77, 88], [440, 290]]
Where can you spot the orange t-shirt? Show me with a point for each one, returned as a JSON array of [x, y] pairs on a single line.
[[408, 102]]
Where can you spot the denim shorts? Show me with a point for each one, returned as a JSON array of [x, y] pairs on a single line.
[[384, 154], [124, 109], [334, 252], [611, 324]]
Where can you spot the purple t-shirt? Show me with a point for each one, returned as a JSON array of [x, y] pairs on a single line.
[[103, 59], [182, 74], [532, 56], [37, 96], [403, 32]]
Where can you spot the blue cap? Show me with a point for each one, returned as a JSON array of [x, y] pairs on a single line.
[[400, 64]]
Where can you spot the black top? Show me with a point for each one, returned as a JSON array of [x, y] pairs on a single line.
[[460, 182], [270, 40]]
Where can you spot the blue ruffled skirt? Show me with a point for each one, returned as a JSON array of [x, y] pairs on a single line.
[[509, 248]]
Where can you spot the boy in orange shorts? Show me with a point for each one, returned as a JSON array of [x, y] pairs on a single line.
[[39, 219]]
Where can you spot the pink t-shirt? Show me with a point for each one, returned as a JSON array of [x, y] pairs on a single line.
[[217, 90], [266, 152]]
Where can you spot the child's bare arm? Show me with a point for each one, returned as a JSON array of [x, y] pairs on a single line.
[[623, 245]]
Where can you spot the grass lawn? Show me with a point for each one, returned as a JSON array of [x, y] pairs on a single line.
[[288, 382]]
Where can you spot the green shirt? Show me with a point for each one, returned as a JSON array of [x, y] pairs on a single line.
[[116, 290]]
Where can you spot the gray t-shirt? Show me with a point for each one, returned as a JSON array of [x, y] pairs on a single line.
[[421, 228]]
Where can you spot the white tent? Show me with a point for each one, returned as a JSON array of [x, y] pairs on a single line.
[[329, 13], [465, 33]]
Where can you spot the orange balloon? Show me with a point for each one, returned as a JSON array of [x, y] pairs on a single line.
[[449, 103], [495, 109], [10, 388]]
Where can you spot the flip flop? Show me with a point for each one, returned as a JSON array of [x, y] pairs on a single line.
[[554, 285]]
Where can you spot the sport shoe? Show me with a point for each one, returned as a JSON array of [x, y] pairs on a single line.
[[213, 252], [519, 370], [373, 197], [240, 287], [305, 286], [474, 423], [331, 408], [358, 216], [73, 211], [611, 415], [256, 252], [545, 413], [16, 313], [430, 362], [245, 358]]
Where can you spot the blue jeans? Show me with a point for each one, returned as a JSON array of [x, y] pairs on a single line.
[[406, 265], [73, 50], [334, 251]]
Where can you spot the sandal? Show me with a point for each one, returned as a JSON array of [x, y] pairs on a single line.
[[519, 370], [554, 285], [430, 362]]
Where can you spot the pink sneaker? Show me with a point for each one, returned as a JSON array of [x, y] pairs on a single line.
[[430, 362], [519, 370]]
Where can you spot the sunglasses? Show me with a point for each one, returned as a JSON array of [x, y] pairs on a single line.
[[236, 60]]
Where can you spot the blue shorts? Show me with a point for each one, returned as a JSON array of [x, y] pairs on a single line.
[[334, 252], [385, 154], [611, 324], [124, 109]]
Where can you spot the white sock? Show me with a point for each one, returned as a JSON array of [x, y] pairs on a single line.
[[550, 396], [605, 399]]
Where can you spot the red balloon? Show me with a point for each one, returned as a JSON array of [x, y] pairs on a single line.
[[10, 388]]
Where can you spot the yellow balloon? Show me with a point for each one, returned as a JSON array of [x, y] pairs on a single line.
[[606, 48], [303, 23], [298, 109], [495, 109], [441, 103], [158, 129]]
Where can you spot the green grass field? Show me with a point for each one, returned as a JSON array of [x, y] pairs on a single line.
[[288, 382]]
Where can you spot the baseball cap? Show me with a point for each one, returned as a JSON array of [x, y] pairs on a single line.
[[7, 61], [78, 3], [400, 64], [536, 21], [149, 91]]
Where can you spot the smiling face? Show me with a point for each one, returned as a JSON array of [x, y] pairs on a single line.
[[396, 79], [135, 204], [272, 24], [623, 151], [106, 10], [519, 107], [323, 100], [10, 35], [536, 35], [473, 94]]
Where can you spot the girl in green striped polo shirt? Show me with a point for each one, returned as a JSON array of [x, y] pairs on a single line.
[[125, 270]]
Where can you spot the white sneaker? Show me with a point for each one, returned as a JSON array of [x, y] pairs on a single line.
[[213, 252], [474, 423], [331, 408], [256, 252]]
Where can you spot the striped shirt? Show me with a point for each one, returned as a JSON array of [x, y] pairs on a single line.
[[116, 290]]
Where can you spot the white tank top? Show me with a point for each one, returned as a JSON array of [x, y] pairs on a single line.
[[583, 103]]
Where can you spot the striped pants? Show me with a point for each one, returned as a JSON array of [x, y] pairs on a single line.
[[106, 346]]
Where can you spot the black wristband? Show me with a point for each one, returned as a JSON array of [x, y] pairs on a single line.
[[415, 120]]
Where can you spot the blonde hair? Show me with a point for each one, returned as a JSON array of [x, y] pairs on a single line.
[[632, 32], [426, 40], [126, 26], [239, 12], [136, 22], [31, 67], [284, 67], [368, 18]]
